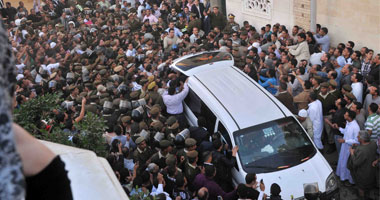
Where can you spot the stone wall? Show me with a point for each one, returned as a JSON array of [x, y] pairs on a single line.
[[356, 20], [301, 13]]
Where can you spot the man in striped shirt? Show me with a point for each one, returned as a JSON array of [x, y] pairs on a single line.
[[372, 125]]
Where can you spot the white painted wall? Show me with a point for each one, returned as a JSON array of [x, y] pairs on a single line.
[[354, 20], [282, 13]]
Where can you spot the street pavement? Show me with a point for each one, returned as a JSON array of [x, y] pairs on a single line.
[[348, 193]]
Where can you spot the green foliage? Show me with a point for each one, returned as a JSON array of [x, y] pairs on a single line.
[[141, 195], [90, 128], [35, 110]]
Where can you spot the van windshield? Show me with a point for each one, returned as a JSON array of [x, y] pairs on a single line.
[[273, 146]]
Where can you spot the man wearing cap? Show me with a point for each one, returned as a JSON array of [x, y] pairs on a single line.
[[306, 122], [190, 144], [194, 22], [191, 168], [346, 89], [360, 164], [231, 24], [350, 98], [160, 157], [142, 152], [328, 102]]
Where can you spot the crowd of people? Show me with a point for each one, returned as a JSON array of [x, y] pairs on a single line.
[[112, 58]]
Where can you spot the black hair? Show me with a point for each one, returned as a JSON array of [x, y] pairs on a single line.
[[249, 178], [294, 62], [118, 130], [359, 77], [171, 90], [351, 114], [313, 96], [325, 30], [352, 44], [302, 70], [217, 143], [272, 73], [307, 84], [343, 102], [302, 35], [358, 105], [334, 74], [358, 54], [373, 107], [350, 50]]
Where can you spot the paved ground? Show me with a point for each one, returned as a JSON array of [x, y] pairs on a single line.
[[348, 193]]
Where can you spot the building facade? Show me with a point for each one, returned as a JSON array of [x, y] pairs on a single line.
[[346, 20]]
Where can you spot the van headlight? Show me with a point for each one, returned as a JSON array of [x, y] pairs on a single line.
[[331, 182]]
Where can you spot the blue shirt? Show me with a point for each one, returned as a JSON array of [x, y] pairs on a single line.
[[266, 84], [324, 41]]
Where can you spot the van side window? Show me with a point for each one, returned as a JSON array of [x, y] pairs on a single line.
[[222, 130], [194, 102], [199, 108]]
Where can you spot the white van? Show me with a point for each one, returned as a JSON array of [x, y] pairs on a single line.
[[271, 141]]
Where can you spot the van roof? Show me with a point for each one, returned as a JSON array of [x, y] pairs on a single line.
[[242, 101]]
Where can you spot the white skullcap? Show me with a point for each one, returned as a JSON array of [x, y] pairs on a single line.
[[52, 44], [18, 22], [71, 22], [19, 76], [302, 113]]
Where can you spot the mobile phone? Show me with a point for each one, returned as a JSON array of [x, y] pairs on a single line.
[[261, 181]]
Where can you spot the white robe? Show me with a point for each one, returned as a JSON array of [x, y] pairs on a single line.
[[357, 91], [316, 116], [350, 133]]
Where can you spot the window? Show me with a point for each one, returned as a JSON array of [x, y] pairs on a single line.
[[224, 133], [202, 59], [259, 8], [199, 108], [273, 146]]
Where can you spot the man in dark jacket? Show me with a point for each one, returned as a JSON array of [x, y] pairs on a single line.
[[198, 9], [217, 19], [286, 98], [223, 164]]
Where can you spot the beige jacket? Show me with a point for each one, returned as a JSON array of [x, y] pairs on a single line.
[[300, 51]]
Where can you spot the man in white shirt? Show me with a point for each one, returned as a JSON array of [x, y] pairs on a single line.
[[196, 35], [357, 86], [173, 100], [177, 32], [316, 116], [350, 132]]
